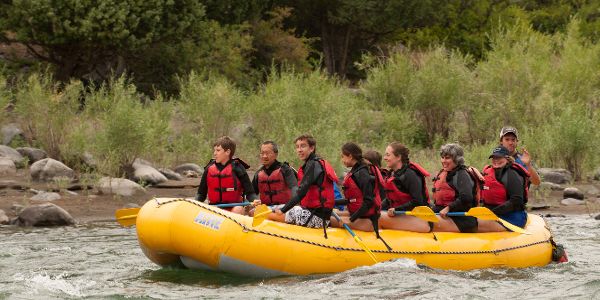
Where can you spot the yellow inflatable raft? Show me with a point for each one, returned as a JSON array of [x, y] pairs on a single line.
[[205, 237]]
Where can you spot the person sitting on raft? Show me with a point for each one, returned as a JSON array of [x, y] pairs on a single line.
[[453, 191], [225, 179], [504, 191], [315, 189], [275, 181], [405, 189], [361, 189]]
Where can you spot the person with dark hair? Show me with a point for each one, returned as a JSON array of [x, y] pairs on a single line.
[[374, 157], [505, 191], [315, 189], [509, 138], [405, 189], [225, 179], [360, 189], [454, 191], [275, 181]]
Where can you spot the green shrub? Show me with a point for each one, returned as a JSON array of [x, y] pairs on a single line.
[[46, 113], [124, 128]]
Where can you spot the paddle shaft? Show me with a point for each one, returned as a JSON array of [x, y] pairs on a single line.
[[356, 237]]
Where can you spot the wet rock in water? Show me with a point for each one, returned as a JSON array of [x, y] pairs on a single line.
[[7, 167], [181, 169], [33, 154], [597, 217], [558, 176], [46, 196], [572, 192], [131, 205], [12, 154], [4, 218], [46, 214], [555, 216], [49, 169], [572, 201], [147, 174], [170, 174], [9, 132], [550, 186], [539, 206], [119, 186]]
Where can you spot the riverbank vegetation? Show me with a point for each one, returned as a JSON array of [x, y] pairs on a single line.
[[544, 81]]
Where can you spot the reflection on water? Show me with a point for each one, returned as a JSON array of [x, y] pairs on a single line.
[[104, 261]]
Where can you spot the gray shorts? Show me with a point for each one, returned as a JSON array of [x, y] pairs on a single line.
[[300, 216]]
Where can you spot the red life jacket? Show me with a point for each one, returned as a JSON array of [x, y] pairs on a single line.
[[223, 186], [494, 191], [320, 195], [398, 197], [272, 188], [355, 195], [444, 193]]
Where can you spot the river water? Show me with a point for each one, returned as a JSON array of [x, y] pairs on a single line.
[[103, 260]]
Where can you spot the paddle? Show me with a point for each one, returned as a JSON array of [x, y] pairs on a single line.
[[356, 237], [422, 212], [260, 214], [485, 213], [127, 216]]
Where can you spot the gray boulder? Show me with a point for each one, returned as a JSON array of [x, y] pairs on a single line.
[[9, 132], [46, 214], [4, 218], [181, 169], [549, 186], [555, 216], [597, 217], [558, 176], [12, 154], [46, 196], [572, 192], [89, 160], [171, 175], [33, 154], [147, 174], [49, 169], [571, 201], [119, 186], [7, 167]]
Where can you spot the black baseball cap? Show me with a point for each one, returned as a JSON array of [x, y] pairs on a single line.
[[499, 151]]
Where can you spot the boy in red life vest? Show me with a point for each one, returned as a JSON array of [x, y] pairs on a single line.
[[405, 189], [504, 191], [225, 179], [454, 191], [315, 189], [275, 181], [509, 138]]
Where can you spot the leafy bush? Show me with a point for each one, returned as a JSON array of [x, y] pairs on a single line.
[[46, 113]]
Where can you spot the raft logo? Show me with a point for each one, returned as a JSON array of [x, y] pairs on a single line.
[[209, 221]]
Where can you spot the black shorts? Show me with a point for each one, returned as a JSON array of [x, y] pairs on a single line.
[[465, 224]]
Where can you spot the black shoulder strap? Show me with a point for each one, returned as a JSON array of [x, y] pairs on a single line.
[[210, 162]]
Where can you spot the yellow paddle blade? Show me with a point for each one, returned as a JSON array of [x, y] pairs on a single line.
[[362, 244], [127, 216], [485, 213], [424, 213], [260, 214]]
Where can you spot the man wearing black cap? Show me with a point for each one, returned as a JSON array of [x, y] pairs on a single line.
[[509, 138]]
